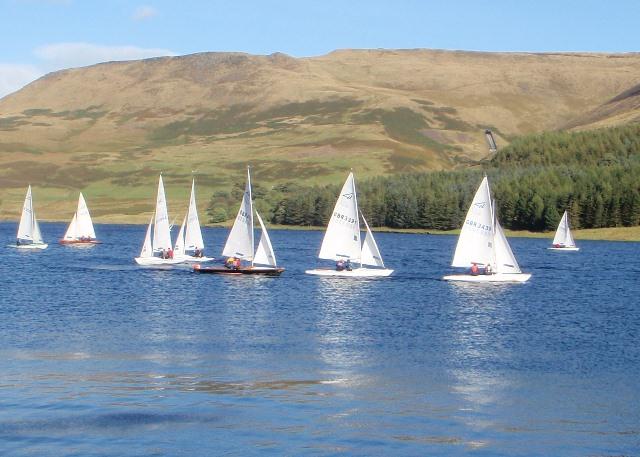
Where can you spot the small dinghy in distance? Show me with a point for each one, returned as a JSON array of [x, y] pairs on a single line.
[[189, 245], [29, 235], [240, 245], [80, 230], [563, 240], [158, 251], [482, 242], [341, 242]]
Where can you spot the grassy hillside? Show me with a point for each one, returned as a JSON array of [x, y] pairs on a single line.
[[109, 129]]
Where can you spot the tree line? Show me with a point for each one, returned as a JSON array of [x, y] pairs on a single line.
[[594, 175]]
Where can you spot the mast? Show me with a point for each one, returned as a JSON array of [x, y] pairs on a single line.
[[251, 214]]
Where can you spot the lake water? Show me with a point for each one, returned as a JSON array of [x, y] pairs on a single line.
[[101, 357]]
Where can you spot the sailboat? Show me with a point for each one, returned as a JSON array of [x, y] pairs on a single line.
[[240, 244], [29, 235], [563, 240], [341, 241], [158, 250], [482, 243], [189, 245], [80, 230]]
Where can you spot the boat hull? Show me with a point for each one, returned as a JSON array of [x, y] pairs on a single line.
[[267, 271], [497, 277], [154, 261], [79, 242], [191, 259], [355, 273], [564, 249], [34, 246]]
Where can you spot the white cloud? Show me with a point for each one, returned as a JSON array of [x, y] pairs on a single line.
[[67, 55], [14, 77], [143, 13]]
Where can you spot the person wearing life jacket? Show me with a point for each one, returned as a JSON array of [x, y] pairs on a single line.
[[488, 270], [236, 264], [170, 254], [474, 269], [229, 263], [340, 265]]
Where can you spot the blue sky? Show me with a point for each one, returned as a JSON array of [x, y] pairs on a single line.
[[39, 36]]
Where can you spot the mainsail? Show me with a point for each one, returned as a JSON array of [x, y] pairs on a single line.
[[476, 240], [342, 238], [240, 241], [161, 232]]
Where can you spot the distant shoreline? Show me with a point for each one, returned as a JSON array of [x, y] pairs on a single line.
[[631, 234]]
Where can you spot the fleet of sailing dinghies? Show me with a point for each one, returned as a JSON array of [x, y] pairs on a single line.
[[157, 250], [482, 245], [240, 245], [29, 236], [189, 245], [342, 244], [563, 241], [80, 230]]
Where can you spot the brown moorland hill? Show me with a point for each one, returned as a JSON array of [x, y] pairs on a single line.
[[109, 129]]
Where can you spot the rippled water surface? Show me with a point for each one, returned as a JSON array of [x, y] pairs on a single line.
[[101, 357]]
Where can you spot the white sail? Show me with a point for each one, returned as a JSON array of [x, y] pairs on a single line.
[[370, 252], [179, 248], [240, 241], [193, 235], [25, 228], [37, 235], [70, 234], [84, 225], [475, 243], [342, 238], [147, 249], [161, 232], [563, 233], [505, 261], [264, 253]]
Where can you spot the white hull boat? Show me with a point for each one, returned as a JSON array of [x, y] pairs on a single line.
[[34, 246], [342, 240], [189, 240], [563, 240], [154, 261], [496, 277], [29, 235], [354, 273], [482, 243], [157, 248]]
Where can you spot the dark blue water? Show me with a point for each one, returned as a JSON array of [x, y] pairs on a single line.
[[100, 357]]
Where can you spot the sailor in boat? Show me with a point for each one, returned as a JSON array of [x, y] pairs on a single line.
[[342, 265], [474, 269], [488, 270], [232, 263], [197, 253]]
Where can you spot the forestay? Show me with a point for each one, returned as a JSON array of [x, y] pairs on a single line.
[[342, 238], [240, 241], [475, 243]]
